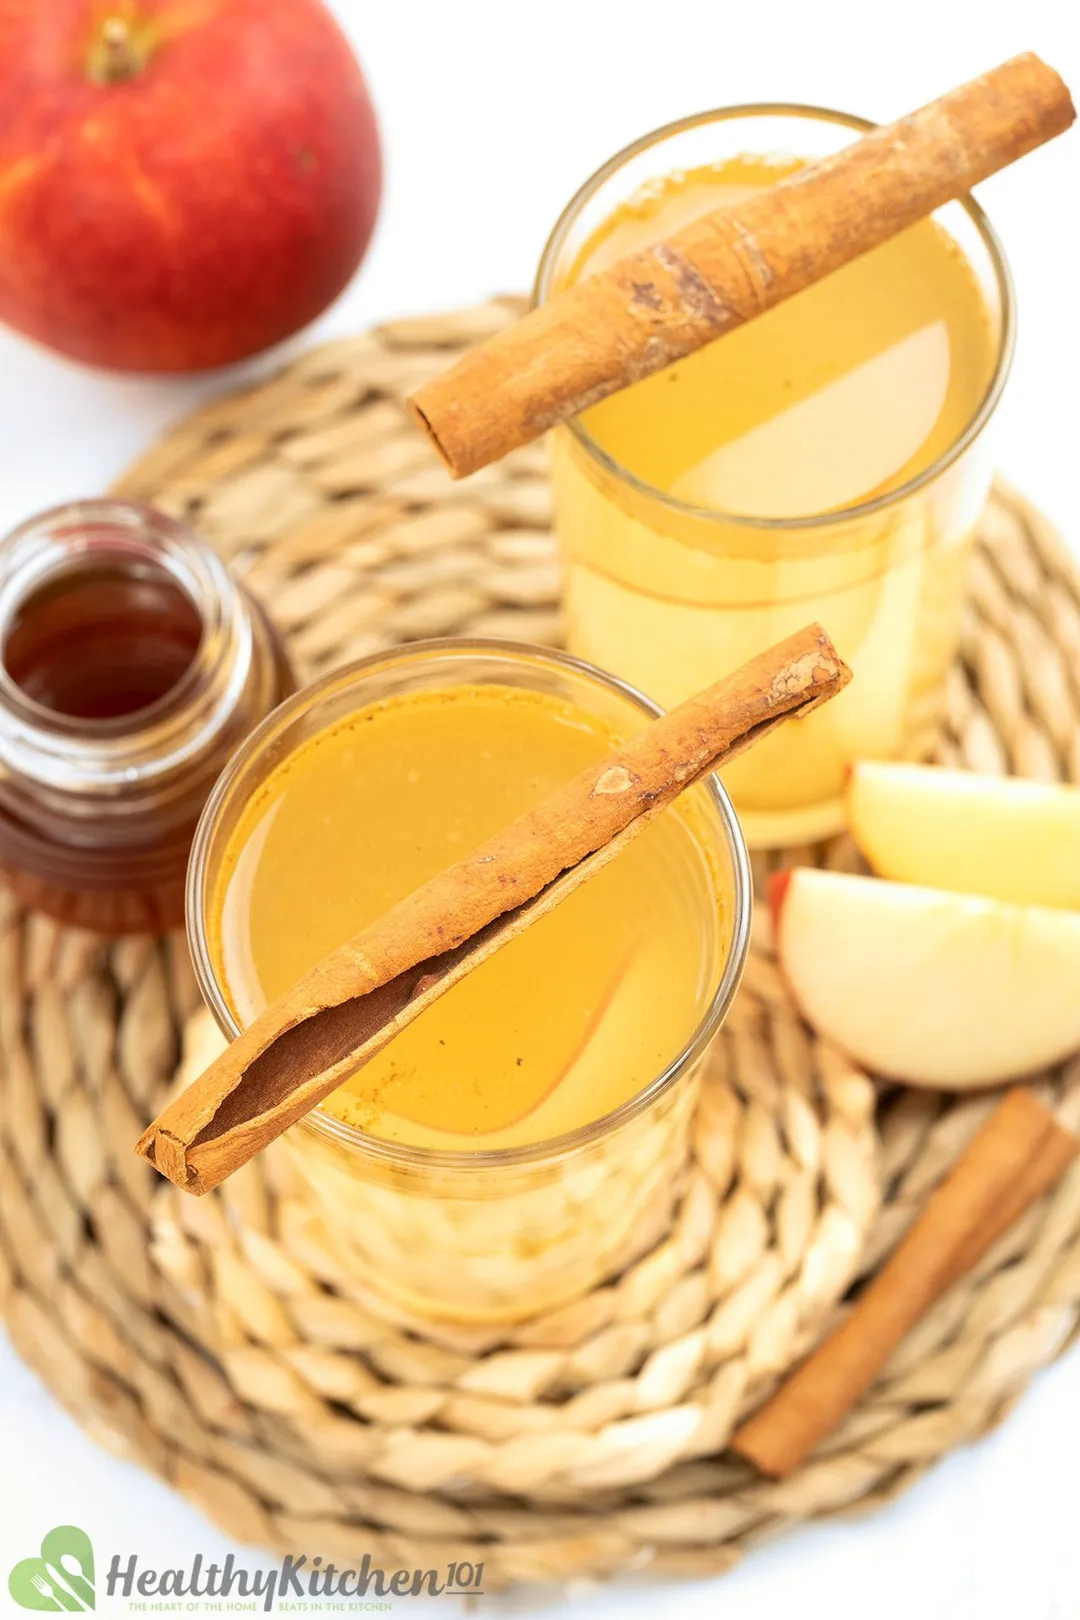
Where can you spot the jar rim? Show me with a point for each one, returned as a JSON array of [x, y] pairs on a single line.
[[16, 591], [46, 746], [403, 1156], [820, 520]]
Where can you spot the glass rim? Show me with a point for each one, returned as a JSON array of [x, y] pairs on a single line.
[[843, 514], [401, 1155]]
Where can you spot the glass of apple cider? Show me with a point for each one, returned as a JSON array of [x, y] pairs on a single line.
[[826, 461], [525, 1136]]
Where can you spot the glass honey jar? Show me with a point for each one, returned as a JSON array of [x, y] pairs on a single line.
[[132, 664]]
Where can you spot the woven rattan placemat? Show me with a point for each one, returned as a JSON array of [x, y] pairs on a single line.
[[217, 1342]]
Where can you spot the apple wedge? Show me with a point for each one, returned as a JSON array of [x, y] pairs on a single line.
[[929, 987], [999, 836]]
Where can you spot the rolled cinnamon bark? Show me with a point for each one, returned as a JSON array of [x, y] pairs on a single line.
[[351, 1004], [1020, 1153], [661, 303]]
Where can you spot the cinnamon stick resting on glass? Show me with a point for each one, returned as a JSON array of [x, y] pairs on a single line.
[[655, 306], [351, 1004]]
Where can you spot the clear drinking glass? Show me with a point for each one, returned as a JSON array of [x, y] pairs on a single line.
[[671, 596], [491, 1235]]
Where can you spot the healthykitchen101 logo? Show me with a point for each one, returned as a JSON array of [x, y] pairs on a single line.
[[62, 1578]]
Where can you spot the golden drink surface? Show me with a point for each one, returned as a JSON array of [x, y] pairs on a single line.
[[838, 395], [707, 511], [565, 1023]]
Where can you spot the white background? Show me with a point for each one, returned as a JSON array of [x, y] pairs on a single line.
[[493, 112]]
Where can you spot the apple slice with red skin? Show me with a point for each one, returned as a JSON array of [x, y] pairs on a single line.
[[777, 889], [926, 986]]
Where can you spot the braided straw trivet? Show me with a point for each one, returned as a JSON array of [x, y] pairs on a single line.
[[217, 1342]]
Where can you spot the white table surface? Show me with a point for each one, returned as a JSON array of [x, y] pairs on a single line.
[[492, 113]]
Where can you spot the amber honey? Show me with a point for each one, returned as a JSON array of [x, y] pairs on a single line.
[[805, 466], [102, 642], [131, 665]]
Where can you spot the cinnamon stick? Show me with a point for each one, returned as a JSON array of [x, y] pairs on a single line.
[[351, 1004], [659, 304], [1020, 1153]]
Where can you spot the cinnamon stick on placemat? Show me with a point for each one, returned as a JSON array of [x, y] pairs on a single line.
[[654, 306], [351, 1004], [1020, 1153]]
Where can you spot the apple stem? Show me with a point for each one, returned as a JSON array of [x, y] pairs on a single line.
[[116, 55]]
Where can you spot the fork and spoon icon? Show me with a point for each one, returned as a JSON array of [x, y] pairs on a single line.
[[61, 1578], [67, 1594]]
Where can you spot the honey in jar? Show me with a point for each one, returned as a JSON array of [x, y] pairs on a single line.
[[131, 665]]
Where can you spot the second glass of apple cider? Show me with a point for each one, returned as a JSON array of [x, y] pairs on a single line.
[[525, 1136], [824, 462]]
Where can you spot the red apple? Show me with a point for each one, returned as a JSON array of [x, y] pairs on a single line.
[[182, 182]]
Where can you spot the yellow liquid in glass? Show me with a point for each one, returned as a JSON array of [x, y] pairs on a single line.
[[562, 1025], [839, 396]]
